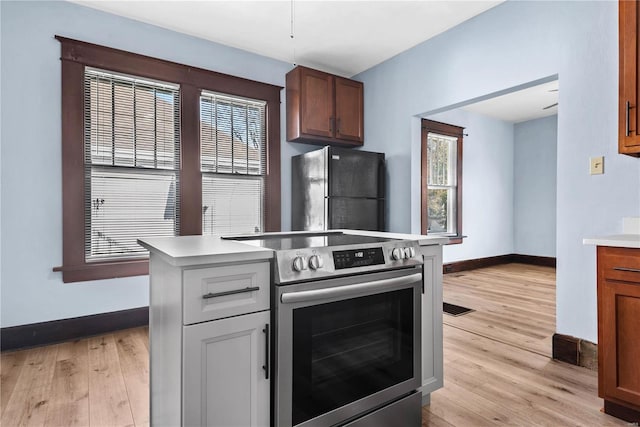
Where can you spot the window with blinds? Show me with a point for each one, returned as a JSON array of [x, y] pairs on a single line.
[[132, 148], [441, 183], [233, 159]]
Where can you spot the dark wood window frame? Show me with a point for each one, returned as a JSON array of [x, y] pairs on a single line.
[[447, 130], [75, 56]]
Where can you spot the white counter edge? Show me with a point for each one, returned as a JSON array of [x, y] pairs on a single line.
[[616, 240], [182, 251]]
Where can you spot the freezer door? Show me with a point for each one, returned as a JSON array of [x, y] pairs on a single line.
[[308, 191], [356, 213], [355, 173]]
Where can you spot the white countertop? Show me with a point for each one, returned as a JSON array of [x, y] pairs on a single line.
[[195, 250], [616, 240]]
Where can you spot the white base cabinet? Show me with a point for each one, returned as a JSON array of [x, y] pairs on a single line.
[[225, 374], [209, 328]]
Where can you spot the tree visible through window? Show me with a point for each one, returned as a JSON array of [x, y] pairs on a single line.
[[441, 178]]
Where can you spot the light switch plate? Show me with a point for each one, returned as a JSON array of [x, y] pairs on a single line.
[[597, 165]]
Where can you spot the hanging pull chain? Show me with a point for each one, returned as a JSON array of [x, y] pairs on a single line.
[[292, 34]]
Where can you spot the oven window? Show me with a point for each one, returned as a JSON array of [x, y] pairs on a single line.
[[346, 350]]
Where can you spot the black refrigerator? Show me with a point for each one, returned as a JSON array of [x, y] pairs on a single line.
[[338, 188]]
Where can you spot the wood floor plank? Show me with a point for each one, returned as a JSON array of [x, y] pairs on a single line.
[[494, 412], [134, 362], [432, 420], [69, 405], [29, 400], [108, 399], [11, 366]]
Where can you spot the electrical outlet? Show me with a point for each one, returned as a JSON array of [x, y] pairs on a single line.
[[597, 165]]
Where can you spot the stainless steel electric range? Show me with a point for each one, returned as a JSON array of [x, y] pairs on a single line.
[[346, 348]]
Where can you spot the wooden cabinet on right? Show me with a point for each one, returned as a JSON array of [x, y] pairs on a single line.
[[628, 108], [324, 109], [619, 331]]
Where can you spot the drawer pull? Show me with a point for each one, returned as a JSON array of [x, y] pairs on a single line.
[[631, 270], [266, 352], [235, 291], [626, 128]]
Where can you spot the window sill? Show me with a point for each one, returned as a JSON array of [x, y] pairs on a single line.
[[453, 239], [104, 270]]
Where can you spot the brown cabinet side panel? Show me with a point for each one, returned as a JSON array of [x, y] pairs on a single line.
[[349, 110], [293, 104], [628, 109]]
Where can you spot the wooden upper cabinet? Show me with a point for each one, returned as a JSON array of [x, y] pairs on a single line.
[[349, 110], [324, 109], [619, 331], [316, 103], [628, 108]]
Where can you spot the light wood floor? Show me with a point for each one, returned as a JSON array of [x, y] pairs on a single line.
[[499, 380], [515, 304]]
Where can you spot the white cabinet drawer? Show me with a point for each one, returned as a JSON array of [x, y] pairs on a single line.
[[217, 292]]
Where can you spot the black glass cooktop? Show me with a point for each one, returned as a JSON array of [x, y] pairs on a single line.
[[281, 242]]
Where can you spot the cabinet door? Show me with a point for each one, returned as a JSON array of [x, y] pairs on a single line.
[[628, 108], [620, 341], [349, 110], [224, 380], [316, 103]]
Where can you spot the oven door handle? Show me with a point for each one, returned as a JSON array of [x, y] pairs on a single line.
[[349, 290]]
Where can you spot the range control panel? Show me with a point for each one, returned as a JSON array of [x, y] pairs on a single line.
[[323, 262], [357, 258]]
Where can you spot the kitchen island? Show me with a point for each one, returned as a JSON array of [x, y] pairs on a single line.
[[211, 327]]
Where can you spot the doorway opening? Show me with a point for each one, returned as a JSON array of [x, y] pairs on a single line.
[[509, 213]]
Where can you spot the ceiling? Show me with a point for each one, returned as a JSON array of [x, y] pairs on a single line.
[[340, 37], [522, 105]]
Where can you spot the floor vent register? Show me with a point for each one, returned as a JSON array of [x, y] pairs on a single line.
[[455, 310]]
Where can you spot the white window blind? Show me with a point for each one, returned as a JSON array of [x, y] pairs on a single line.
[[442, 183], [132, 137], [233, 159]]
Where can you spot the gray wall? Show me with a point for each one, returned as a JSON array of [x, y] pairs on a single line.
[[487, 186], [507, 46], [31, 209], [534, 196]]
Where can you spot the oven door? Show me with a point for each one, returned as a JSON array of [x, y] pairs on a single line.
[[346, 346]]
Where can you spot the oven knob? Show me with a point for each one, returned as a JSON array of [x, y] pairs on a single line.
[[397, 254], [412, 252], [299, 263], [315, 262]]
